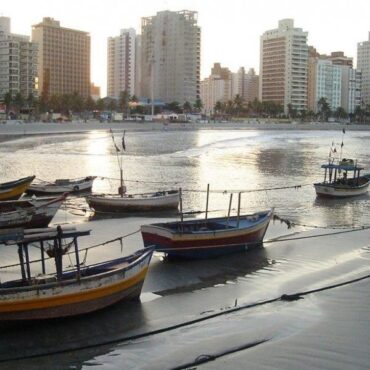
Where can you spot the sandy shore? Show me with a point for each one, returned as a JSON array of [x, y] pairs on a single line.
[[14, 129]]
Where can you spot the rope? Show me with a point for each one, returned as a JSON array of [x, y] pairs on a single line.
[[246, 190], [120, 238], [227, 311]]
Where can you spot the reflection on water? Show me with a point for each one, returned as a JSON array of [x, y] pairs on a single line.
[[171, 277], [131, 318], [190, 160]]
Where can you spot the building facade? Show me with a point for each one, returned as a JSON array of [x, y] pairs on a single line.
[[328, 84], [324, 73], [122, 63], [251, 86], [351, 88], [63, 59], [216, 88], [170, 57], [363, 65], [18, 63], [284, 66]]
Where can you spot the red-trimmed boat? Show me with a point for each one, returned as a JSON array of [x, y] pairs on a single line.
[[196, 239]]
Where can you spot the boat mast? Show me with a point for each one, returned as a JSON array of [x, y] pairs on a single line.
[[181, 214], [207, 203], [119, 160], [228, 214], [238, 218]]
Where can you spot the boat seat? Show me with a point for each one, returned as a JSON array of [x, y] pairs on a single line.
[[62, 182]]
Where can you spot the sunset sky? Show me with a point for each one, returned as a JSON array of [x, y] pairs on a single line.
[[230, 28]]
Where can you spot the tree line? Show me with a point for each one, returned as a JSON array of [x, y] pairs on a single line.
[[67, 104], [238, 107]]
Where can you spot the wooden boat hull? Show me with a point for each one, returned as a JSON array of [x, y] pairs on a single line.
[[153, 202], [341, 191], [39, 214], [14, 189], [207, 244], [76, 297], [54, 188]]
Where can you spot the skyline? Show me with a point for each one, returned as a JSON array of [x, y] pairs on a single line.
[[330, 26]]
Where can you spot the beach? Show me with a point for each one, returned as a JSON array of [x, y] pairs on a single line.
[[300, 301]]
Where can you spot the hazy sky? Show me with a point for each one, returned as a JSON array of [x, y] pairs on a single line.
[[230, 28]]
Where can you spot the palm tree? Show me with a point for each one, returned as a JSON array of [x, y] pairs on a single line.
[[238, 104], [186, 107], [324, 108], [198, 105], [123, 100], [8, 101], [340, 113], [18, 101]]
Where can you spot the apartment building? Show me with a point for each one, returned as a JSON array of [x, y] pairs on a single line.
[[363, 65], [18, 62], [332, 77], [63, 59], [284, 66], [170, 57], [216, 88], [122, 63]]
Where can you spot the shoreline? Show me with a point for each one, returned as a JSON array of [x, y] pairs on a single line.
[[15, 130]]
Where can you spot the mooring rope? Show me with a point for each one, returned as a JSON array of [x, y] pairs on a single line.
[[223, 312], [119, 238]]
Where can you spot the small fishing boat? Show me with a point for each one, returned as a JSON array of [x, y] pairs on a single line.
[[29, 213], [80, 290], [207, 238], [60, 186], [122, 202], [14, 189], [160, 200], [342, 179]]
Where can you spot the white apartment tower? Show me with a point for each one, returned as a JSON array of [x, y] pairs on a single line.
[[328, 84], [283, 66], [122, 63], [363, 64], [18, 63], [170, 57]]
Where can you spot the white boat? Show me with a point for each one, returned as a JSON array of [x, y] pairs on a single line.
[[161, 200], [30, 213], [122, 202], [342, 180], [63, 293], [60, 186]]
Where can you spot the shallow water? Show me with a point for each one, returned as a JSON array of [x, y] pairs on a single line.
[[180, 291]]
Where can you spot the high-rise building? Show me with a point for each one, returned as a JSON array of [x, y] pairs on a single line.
[[18, 62], [245, 85], [328, 84], [170, 57], [363, 64], [251, 86], [283, 66], [63, 59], [351, 88], [333, 78], [338, 58], [216, 88], [122, 63]]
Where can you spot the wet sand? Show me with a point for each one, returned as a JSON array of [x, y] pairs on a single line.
[[14, 129], [327, 330]]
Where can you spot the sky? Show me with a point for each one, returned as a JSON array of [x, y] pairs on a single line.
[[230, 29]]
